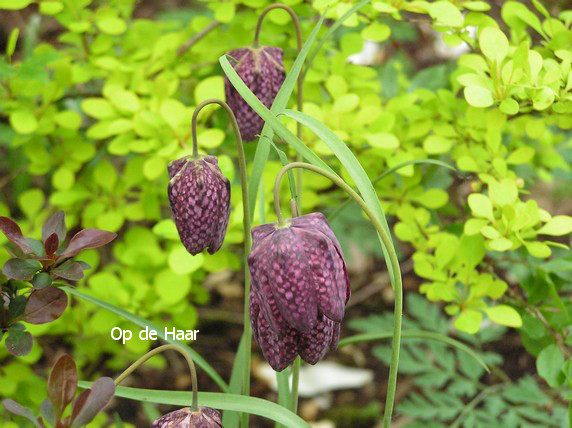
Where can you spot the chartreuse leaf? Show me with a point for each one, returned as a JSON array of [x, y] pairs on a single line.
[[414, 334], [477, 96], [333, 28], [445, 13], [233, 402], [557, 226], [141, 322], [12, 40], [389, 172], [504, 315], [14, 4], [469, 321], [481, 206], [493, 44]]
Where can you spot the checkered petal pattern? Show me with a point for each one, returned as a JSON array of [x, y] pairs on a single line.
[[199, 195], [299, 289], [262, 70], [205, 417]]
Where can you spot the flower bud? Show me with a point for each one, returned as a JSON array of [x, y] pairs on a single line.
[[199, 195], [299, 289], [204, 417], [262, 70]]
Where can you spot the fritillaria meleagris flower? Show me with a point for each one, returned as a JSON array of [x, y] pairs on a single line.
[[262, 70], [199, 195], [204, 417], [299, 289]]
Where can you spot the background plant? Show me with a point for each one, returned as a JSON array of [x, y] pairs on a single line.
[[90, 125], [31, 277]]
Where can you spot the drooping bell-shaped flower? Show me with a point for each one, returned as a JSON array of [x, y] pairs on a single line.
[[204, 417], [199, 195], [299, 289], [262, 70]]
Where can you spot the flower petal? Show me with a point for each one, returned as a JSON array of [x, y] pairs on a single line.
[[291, 281], [279, 352], [314, 345], [262, 70], [328, 273], [199, 196]]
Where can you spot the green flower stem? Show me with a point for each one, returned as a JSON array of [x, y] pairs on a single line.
[[246, 225], [300, 94], [295, 383], [398, 288], [156, 351]]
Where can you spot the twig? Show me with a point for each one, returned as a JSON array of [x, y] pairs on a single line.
[[197, 37]]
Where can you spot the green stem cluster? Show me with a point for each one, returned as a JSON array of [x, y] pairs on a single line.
[[296, 204], [300, 81], [246, 225], [386, 239]]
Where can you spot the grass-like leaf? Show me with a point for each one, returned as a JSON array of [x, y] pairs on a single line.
[[142, 322], [279, 104], [217, 400], [354, 168], [414, 334]]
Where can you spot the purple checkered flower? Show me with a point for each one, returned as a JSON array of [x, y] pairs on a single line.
[[204, 417], [262, 70], [299, 289], [200, 200]]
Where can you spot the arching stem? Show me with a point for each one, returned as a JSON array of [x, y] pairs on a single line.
[[300, 94], [156, 351], [386, 239], [246, 225]]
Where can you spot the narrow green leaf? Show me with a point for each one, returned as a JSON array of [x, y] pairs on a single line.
[[12, 40], [279, 128], [231, 419], [279, 104], [141, 322], [217, 400], [261, 156], [354, 168], [284, 160], [414, 334]]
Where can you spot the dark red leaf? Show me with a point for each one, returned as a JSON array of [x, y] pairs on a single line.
[[14, 234], [19, 342], [62, 384], [102, 391], [19, 410], [79, 402], [70, 271], [51, 245], [88, 238], [45, 305], [55, 224], [20, 269]]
